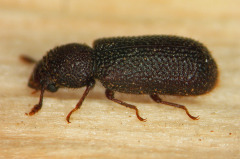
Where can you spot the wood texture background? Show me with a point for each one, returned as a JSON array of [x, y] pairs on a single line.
[[103, 129]]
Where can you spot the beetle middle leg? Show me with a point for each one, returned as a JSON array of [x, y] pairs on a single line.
[[79, 104], [157, 99], [110, 95]]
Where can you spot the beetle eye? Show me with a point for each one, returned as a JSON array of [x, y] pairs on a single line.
[[52, 88]]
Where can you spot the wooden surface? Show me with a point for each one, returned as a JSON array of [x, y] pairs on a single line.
[[103, 129]]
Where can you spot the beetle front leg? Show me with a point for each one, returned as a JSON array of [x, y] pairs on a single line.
[[38, 106]]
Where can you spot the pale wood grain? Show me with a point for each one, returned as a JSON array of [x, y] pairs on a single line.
[[103, 129]]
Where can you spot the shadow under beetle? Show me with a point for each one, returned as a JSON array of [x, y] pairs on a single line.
[[153, 65]]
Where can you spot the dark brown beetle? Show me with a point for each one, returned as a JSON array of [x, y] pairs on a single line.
[[153, 65]]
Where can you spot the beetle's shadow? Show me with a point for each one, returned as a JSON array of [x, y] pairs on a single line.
[[98, 93]]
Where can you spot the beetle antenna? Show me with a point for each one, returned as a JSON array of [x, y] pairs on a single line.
[[27, 59]]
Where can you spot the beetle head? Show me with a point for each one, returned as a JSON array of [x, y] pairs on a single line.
[[41, 78], [69, 65]]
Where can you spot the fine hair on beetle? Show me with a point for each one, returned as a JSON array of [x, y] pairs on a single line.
[[153, 65]]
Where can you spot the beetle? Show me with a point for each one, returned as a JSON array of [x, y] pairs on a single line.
[[153, 65]]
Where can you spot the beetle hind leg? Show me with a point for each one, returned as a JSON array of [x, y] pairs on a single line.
[[110, 96], [157, 99]]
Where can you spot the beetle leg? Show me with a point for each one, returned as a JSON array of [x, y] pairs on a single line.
[[110, 95], [79, 104], [157, 99], [38, 106]]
